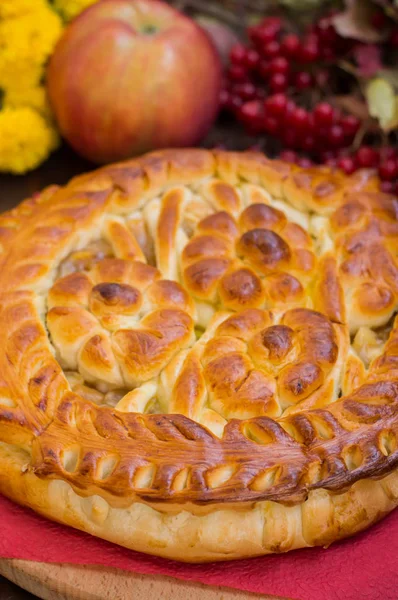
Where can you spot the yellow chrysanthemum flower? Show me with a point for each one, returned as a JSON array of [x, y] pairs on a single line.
[[71, 8], [26, 43], [21, 78], [26, 139], [16, 8], [34, 96], [29, 31]]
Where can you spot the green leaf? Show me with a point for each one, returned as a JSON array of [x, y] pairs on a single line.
[[382, 102]]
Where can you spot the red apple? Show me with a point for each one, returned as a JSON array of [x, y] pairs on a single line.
[[129, 76]]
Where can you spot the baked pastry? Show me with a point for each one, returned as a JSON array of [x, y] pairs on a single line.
[[199, 356]]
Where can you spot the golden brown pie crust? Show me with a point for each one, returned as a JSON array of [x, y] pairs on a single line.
[[199, 358]]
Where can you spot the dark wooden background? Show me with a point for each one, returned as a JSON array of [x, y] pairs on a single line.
[[9, 591], [59, 168], [64, 164]]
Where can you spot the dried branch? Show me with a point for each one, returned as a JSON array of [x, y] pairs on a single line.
[[213, 10], [235, 13]]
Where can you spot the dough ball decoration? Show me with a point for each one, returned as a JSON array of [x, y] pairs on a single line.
[[197, 327]]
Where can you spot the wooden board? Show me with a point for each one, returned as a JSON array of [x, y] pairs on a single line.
[[71, 582]]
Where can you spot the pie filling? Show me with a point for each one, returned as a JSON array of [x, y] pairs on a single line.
[[221, 302]]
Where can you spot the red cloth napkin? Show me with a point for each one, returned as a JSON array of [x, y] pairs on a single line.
[[363, 568]]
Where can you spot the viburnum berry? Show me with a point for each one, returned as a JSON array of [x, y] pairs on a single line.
[[331, 162], [326, 32], [290, 45], [251, 115], [326, 155], [327, 53], [387, 187], [311, 123], [267, 34], [336, 136], [388, 170], [350, 125], [261, 35], [271, 50], [246, 91], [309, 51], [237, 73], [266, 31], [255, 34], [303, 80], [367, 157], [312, 36], [237, 55], [387, 152], [264, 69], [299, 118], [324, 114], [322, 135], [271, 124], [252, 59], [278, 82], [308, 143], [252, 33], [347, 164], [305, 162], [276, 105], [289, 138], [322, 77], [273, 23], [279, 64], [289, 156], [290, 107]]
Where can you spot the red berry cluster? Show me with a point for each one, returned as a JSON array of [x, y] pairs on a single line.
[[268, 75], [385, 160], [298, 128], [264, 76]]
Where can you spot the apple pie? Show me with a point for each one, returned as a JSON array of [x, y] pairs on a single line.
[[199, 354]]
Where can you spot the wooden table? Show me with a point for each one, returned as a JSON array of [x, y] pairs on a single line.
[[61, 166], [64, 164], [69, 582]]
